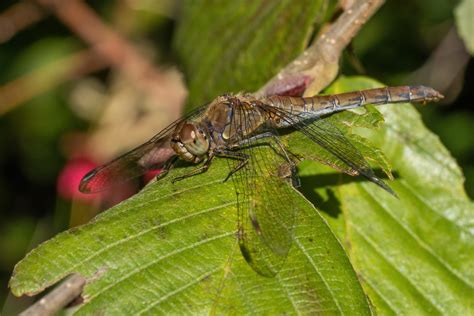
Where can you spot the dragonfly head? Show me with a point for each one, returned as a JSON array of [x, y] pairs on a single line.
[[191, 142]]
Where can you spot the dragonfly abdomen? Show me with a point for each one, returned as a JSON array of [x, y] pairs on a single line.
[[326, 104]]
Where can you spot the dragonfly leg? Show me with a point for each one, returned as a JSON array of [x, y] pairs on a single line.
[[195, 171], [166, 168], [233, 155], [286, 170], [272, 136], [277, 140]]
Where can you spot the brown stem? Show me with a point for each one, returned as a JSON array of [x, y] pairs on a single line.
[[318, 65], [58, 298], [17, 17]]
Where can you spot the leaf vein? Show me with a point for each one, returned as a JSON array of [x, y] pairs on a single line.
[[147, 199], [424, 201], [297, 242], [159, 259], [382, 296], [376, 249], [421, 243], [143, 232], [179, 290]]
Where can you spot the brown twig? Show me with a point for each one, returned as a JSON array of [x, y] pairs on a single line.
[[318, 65], [58, 298], [18, 17], [116, 50]]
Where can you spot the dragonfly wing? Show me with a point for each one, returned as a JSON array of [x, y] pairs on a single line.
[[329, 137], [266, 201], [150, 156]]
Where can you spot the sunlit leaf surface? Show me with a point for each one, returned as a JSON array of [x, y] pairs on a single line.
[[173, 248], [413, 254], [464, 14]]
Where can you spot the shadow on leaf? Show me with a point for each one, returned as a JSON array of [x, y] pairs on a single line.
[[319, 189]]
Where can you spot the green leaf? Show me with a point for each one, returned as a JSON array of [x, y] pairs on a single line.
[[232, 46], [464, 14], [413, 254], [173, 249]]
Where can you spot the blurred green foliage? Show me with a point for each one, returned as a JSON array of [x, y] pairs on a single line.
[[40, 122]]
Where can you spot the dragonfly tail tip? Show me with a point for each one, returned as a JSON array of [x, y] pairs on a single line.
[[384, 186]]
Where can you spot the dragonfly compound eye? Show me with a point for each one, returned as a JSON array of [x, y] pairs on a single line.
[[194, 139]]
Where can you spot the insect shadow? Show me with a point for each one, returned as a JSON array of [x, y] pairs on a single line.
[[327, 201]]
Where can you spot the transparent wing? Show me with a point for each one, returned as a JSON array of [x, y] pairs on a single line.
[[151, 155], [333, 140], [266, 201]]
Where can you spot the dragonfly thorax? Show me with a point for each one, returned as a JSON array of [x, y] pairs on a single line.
[[190, 142]]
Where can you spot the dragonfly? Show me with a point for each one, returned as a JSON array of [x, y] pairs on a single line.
[[245, 129]]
